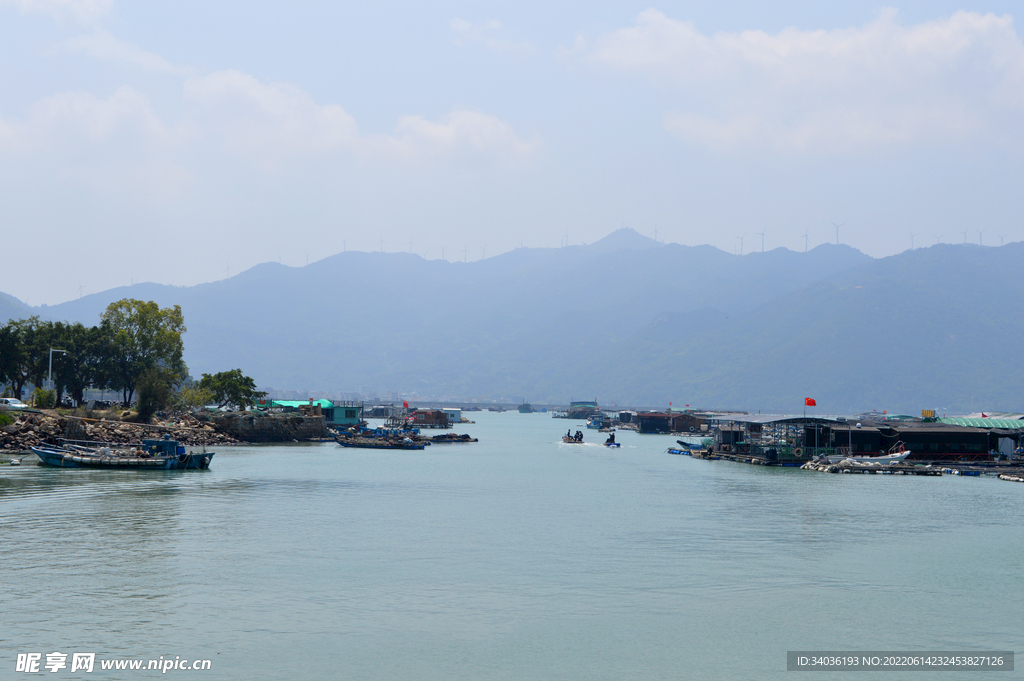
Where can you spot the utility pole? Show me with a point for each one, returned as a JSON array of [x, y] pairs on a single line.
[[49, 371]]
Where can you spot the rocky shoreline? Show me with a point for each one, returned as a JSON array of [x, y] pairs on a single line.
[[38, 427]]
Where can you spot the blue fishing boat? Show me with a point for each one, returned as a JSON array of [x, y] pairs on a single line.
[[165, 454]]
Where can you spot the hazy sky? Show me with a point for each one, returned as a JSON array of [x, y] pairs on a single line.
[[181, 141]]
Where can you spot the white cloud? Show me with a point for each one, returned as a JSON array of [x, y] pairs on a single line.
[[459, 134], [232, 116], [487, 34], [71, 121], [263, 118], [277, 121], [833, 90], [101, 45], [82, 11]]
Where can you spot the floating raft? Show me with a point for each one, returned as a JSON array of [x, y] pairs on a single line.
[[962, 471]]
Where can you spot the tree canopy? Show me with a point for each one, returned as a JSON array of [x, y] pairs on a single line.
[[142, 336], [137, 349], [231, 387]]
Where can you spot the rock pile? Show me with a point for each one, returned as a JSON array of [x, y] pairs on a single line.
[[32, 429], [254, 426]]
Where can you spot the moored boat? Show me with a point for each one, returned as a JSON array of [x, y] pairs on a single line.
[[163, 454], [880, 459], [897, 454], [525, 408], [367, 443]]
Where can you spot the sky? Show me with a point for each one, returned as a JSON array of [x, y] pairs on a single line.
[[184, 142]]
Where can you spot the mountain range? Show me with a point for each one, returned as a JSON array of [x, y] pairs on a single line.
[[626, 320]]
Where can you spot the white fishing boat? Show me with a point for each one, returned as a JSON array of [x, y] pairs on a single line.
[[895, 455]]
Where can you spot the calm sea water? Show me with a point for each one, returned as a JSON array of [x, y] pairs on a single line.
[[517, 557]]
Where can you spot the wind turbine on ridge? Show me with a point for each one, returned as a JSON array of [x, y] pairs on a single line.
[[805, 240], [762, 240], [741, 242], [837, 230]]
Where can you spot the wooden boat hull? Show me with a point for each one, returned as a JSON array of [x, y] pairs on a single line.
[[62, 458], [376, 445]]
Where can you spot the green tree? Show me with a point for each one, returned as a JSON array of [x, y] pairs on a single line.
[[231, 387], [21, 342], [155, 391], [44, 399], [8, 350], [80, 367], [141, 336], [191, 396]]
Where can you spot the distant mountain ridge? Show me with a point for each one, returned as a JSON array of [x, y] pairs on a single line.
[[627, 319]]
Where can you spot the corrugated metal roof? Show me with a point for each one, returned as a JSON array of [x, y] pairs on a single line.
[[774, 418], [1004, 424], [295, 404]]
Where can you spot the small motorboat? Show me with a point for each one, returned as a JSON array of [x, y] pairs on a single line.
[[571, 440], [612, 444], [15, 462]]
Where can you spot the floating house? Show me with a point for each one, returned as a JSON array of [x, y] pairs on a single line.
[[581, 410], [342, 414], [669, 422], [796, 439], [428, 418]]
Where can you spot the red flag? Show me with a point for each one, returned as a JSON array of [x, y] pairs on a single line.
[[983, 415], [405, 404], [809, 402]]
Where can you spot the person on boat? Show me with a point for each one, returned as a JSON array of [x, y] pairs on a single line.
[[568, 433], [579, 436], [611, 438]]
